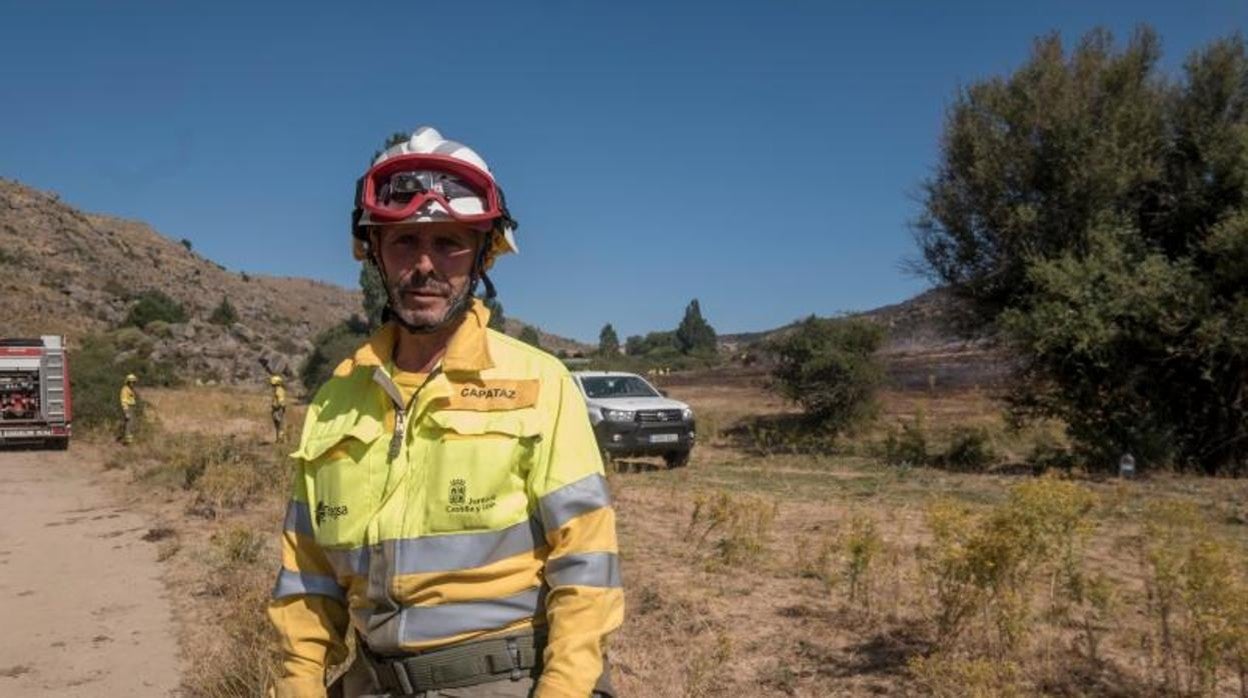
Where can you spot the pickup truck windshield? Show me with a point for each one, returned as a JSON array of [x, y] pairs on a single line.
[[616, 386]]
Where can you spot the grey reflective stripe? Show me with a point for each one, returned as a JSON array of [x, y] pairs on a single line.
[[291, 583], [347, 562], [299, 518], [443, 553], [427, 623], [572, 500], [463, 551], [584, 569]]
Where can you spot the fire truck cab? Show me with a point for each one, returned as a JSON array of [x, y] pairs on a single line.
[[34, 392]]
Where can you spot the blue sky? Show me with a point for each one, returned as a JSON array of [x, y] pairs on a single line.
[[760, 156]]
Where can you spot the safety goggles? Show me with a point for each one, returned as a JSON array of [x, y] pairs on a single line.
[[396, 189]]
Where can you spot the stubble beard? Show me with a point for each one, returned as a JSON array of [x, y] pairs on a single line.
[[422, 321]]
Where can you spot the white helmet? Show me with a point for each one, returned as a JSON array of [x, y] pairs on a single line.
[[428, 178]]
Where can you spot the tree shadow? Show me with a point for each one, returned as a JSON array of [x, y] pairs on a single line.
[[780, 433], [887, 652]]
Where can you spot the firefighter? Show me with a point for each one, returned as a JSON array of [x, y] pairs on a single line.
[[129, 400], [449, 507], [278, 406]]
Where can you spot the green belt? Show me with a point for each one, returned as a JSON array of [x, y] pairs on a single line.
[[467, 664]]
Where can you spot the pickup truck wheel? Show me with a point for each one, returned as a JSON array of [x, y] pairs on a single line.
[[58, 444], [676, 459]]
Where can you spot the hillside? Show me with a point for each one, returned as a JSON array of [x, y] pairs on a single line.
[[923, 344], [63, 271]]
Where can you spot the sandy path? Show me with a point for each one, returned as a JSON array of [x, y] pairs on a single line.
[[82, 608]]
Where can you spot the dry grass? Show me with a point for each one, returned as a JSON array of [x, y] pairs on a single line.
[[802, 574]]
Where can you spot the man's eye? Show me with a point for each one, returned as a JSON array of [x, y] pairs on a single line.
[[450, 245]]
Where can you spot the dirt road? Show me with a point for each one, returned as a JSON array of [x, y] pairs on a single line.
[[82, 607]]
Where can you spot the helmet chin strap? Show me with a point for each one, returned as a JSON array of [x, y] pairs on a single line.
[[459, 304]]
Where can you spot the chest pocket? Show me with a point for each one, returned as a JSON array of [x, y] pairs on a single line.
[[338, 483], [476, 468]]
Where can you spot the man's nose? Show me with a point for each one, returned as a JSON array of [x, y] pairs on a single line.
[[424, 262]]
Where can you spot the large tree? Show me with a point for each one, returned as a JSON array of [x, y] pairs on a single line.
[[694, 334], [1097, 211], [530, 336], [375, 296], [498, 320], [608, 341]]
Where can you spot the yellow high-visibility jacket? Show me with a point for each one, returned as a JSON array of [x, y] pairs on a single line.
[[126, 396], [279, 396], [477, 509]]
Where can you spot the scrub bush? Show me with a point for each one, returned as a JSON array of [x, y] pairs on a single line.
[[96, 377], [741, 525], [970, 451], [829, 367], [224, 314], [909, 447], [1197, 600], [329, 349], [986, 566], [154, 305], [950, 676]]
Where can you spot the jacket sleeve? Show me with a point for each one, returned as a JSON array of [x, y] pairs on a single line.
[[308, 607], [585, 601]]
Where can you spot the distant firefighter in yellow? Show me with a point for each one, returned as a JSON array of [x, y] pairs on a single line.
[[129, 400], [278, 407]]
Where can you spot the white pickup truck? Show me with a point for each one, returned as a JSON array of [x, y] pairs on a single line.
[[633, 418]]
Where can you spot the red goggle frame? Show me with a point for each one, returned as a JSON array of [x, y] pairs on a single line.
[[478, 180]]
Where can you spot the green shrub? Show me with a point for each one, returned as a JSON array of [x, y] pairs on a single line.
[[158, 328], [986, 566], [970, 450], [223, 314], [133, 339], [829, 367], [1046, 456], [96, 378], [154, 305], [910, 446], [329, 349], [1196, 586]]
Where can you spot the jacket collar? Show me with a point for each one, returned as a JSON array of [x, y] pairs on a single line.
[[466, 351]]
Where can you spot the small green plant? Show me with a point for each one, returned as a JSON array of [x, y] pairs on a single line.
[[862, 544], [742, 525], [909, 447]]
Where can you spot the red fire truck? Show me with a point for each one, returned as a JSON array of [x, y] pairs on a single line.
[[34, 392]]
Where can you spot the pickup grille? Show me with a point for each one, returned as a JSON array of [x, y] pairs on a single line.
[[658, 416]]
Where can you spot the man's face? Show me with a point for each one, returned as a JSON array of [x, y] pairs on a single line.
[[427, 269]]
